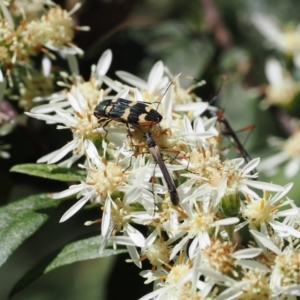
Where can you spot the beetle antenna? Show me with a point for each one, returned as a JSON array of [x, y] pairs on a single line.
[[165, 92]]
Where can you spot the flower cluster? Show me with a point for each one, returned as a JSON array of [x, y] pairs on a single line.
[[196, 248], [282, 91], [53, 30], [30, 28]]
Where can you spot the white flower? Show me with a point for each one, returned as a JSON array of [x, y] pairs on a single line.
[[265, 212], [75, 110], [282, 89], [155, 85], [286, 40], [181, 281], [289, 154]]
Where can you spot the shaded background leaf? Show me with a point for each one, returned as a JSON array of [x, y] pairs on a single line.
[[54, 172], [20, 220], [81, 250]]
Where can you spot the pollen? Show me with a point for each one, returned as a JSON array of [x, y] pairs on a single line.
[[283, 93], [205, 162], [218, 257], [257, 286], [259, 211], [90, 92], [86, 123], [158, 253], [200, 222], [186, 292], [288, 267], [291, 40], [56, 25], [177, 272], [120, 214], [292, 145], [106, 179], [12, 45]]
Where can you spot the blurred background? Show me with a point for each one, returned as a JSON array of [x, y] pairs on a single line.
[[254, 43]]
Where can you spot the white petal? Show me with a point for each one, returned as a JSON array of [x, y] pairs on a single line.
[[46, 66], [198, 125], [193, 248], [216, 276], [244, 189], [293, 289], [137, 95], [297, 60], [73, 189], [251, 165], [210, 125], [104, 62], [115, 85], [106, 220], [250, 264], [231, 293], [151, 238], [47, 108], [68, 119], [7, 15], [246, 253], [288, 212], [265, 241], [75, 208], [265, 186], [274, 72], [47, 118], [74, 103], [228, 221], [2, 85], [187, 125], [272, 161], [281, 194], [202, 106], [267, 27], [178, 247], [46, 157], [155, 76], [292, 167], [92, 152], [132, 79], [134, 255], [135, 235], [122, 240], [60, 153]]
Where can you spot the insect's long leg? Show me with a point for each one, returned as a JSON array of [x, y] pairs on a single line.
[[104, 126], [155, 152], [227, 130]]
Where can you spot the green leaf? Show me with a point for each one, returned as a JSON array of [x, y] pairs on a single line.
[[19, 220], [80, 250], [51, 172], [74, 252]]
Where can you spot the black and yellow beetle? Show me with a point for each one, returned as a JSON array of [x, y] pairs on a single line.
[[129, 112], [137, 114]]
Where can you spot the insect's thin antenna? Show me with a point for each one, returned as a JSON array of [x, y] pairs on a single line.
[[165, 92], [214, 98]]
